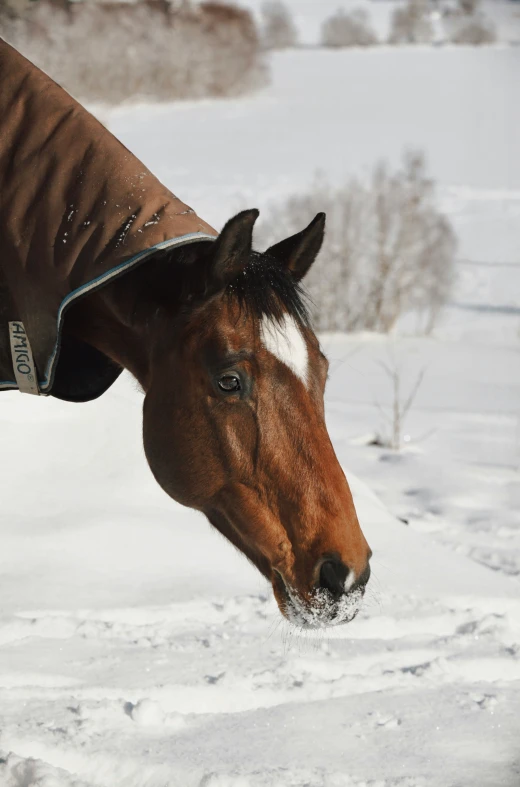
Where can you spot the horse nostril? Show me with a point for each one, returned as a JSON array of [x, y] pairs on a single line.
[[365, 576], [333, 574]]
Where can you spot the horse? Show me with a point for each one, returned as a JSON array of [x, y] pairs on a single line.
[[219, 337], [103, 268]]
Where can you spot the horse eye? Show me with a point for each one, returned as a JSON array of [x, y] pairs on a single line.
[[229, 383]]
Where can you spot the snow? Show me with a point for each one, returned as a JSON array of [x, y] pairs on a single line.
[[458, 104], [137, 647]]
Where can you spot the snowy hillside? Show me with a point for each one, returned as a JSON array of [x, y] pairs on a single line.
[[137, 648]]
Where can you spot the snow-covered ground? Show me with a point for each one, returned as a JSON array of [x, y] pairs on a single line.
[[137, 648]]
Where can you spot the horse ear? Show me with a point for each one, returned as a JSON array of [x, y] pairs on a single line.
[[299, 251], [232, 249]]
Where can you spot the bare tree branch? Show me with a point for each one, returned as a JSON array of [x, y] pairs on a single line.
[[413, 393]]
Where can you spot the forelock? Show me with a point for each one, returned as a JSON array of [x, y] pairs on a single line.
[[266, 289]]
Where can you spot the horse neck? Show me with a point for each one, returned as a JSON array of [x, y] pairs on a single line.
[[123, 319]]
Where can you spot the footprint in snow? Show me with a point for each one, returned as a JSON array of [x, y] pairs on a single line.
[[149, 713]]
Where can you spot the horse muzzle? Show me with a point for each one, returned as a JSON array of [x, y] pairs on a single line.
[[335, 598]]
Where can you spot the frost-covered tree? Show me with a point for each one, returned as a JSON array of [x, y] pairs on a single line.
[[387, 251], [469, 7], [278, 28], [411, 23], [344, 29], [474, 30], [151, 49]]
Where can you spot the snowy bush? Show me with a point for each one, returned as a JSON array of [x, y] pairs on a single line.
[[474, 30], [348, 29], [387, 250], [411, 23], [148, 49], [278, 28]]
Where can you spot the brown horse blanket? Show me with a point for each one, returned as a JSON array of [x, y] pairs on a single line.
[[76, 210]]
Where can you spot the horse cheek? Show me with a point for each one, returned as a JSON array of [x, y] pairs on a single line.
[[180, 451]]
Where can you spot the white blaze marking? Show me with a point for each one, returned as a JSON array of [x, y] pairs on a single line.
[[350, 580], [285, 341]]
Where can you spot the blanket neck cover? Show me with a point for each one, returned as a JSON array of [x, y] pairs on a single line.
[[77, 209]]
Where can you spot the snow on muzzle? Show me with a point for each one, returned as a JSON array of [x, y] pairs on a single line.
[[336, 600]]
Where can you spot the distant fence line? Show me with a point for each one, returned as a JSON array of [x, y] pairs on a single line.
[[485, 308], [487, 263]]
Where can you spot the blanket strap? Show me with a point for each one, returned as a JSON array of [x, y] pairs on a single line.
[[23, 363]]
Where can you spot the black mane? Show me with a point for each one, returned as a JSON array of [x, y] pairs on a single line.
[[266, 288]]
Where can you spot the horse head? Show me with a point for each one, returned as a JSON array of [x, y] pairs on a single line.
[[234, 421]]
